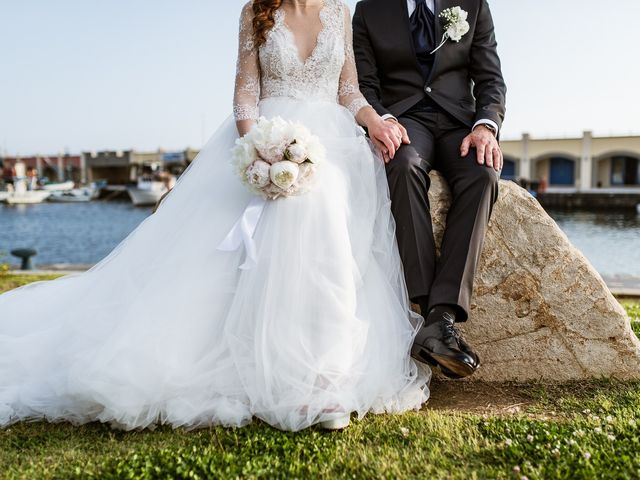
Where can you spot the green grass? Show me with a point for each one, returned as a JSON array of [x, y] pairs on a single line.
[[10, 281], [633, 310], [576, 431], [428, 444]]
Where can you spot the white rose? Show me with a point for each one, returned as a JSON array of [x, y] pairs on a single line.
[[273, 154], [458, 30], [307, 172], [297, 153], [243, 154], [315, 150], [284, 174], [267, 136], [257, 174], [269, 151], [281, 131], [456, 14]]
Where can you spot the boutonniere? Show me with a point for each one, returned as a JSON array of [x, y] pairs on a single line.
[[454, 21]]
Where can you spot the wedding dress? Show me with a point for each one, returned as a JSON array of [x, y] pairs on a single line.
[[167, 329]]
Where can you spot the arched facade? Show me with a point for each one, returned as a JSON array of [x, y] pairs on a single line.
[[619, 168], [575, 163], [557, 169], [510, 169]]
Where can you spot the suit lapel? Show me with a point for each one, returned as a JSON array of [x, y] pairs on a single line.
[[439, 32], [439, 5]]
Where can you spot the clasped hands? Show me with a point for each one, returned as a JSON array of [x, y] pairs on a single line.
[[389, 135]]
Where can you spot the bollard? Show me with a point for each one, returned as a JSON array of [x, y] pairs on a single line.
[[25, 255]]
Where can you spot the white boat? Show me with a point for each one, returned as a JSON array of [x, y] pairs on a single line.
[[83, 194], [59, 187], [76, 195], [147, 192], [28, 197], [20, 193]]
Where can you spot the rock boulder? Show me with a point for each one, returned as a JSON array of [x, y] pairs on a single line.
[[539, 311]]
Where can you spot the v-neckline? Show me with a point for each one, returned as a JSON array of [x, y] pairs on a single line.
[[323, 27]]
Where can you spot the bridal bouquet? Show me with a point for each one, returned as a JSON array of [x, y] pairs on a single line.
[[277, 158]]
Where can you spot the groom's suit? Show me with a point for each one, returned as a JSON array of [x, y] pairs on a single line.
[[438, 98]]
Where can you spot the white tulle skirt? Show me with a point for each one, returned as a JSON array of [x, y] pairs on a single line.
[[168, 330]]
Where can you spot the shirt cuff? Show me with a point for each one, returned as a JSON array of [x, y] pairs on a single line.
[[486, 121], [388, 116]]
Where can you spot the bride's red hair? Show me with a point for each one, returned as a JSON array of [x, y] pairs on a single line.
[[263, 13]]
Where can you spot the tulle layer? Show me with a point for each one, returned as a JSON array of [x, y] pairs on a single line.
[[167, 329]]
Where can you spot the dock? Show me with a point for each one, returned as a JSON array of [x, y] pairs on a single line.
[[114, 192], [593, 199]]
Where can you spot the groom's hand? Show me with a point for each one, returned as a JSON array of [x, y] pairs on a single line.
[[486, 145], [388, 135]]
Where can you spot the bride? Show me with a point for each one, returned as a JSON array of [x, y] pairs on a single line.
[[167, 329]]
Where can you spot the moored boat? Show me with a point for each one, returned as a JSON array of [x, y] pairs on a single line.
[[59, 187], [149, 190], [83, 194], [26, 197], [19, 193]]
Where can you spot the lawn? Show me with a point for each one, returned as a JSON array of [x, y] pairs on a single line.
[[468, 430], [8, 282]]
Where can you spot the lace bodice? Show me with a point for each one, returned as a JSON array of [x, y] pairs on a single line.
[[275, 69]]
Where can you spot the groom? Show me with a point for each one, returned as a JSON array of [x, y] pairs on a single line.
[[447, 108]]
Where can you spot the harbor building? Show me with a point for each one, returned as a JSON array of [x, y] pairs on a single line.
[[56, 168], [117, 167], [584, 164], [114, 166], [126, 166]]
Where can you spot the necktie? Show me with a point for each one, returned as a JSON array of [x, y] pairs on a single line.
[[423, 25]]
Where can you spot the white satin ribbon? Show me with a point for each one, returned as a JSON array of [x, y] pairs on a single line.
[[242, 232]]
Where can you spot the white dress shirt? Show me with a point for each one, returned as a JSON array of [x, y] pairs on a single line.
[[411, 6]]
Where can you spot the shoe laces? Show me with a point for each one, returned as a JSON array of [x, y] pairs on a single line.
[[451, 329]]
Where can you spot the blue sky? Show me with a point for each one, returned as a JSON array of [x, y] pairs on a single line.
[[87, 75]]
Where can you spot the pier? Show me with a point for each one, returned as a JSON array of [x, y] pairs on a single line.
[[598, 199]]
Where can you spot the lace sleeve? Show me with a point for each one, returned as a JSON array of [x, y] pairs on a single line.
[[247, 89], [349, 92]]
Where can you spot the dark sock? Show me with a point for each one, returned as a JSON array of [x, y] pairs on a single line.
[[424, 304], [437, 313]]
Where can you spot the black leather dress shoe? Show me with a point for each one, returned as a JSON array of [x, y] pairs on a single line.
[[465, 347], [448, 373], [439, 343]]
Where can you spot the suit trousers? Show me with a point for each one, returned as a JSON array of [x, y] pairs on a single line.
[[436, 138]]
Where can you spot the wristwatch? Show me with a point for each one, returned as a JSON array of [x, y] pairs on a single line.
[[489, 127]]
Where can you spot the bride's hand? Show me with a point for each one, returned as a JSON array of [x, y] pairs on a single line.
[[244, 126], [387, 136]]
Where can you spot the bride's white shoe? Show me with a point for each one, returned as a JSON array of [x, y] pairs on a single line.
[[339, 422]]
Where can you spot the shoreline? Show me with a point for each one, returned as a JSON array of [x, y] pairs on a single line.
[[621, 285]]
